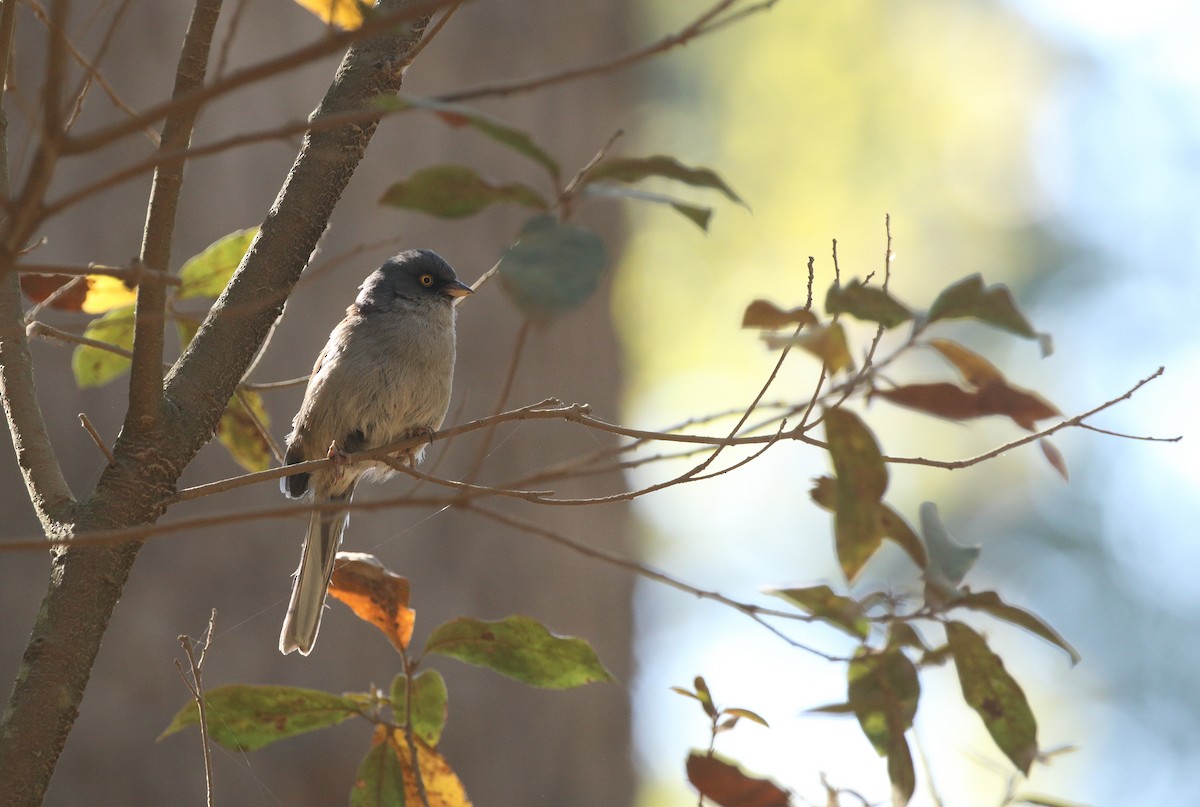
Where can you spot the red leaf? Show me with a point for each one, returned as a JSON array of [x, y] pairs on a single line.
[[728, 786], [39, 287]]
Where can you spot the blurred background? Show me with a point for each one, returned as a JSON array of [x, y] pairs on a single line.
[[1053, 146]]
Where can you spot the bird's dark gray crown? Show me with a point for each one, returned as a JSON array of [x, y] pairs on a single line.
[[416, 274]]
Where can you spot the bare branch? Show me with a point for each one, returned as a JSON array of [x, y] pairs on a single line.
[[95, 435], [701, 25], [146, 372], [612, 559]]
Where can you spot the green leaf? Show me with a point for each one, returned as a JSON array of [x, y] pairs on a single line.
[[865, 302], [520, 648], [823, 603], [553, 268], [990, 602], [379, 781], [700, 216], [902, 634], [727, 785], [994, 305], [949, 560], [753, 717], [207, 274], [245, 718], [635, 169], [862, 479], [93, 366], [458, 115], [456, 191], [429, 698], [994, 695], [704, 695], [831, 709], [1045, 801], [900, 771], [883, 691]]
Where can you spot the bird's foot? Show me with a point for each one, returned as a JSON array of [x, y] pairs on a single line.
[[338, 461]]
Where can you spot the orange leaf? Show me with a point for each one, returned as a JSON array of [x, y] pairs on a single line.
[[374, 594], [443, 788], [975, 369]]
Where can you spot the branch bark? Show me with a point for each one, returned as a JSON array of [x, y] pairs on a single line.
[[86, 582]]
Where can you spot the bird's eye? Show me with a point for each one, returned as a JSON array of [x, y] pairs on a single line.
[[426, 280]]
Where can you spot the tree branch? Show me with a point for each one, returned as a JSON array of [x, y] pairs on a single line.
[[146, 371]]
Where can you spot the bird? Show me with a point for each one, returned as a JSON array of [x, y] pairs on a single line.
[[384, 375]]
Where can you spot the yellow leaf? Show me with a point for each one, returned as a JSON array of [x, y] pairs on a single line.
[[106, 293], [442, 786], [345, 14]]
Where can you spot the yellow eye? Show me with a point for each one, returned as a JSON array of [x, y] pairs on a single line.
[[426, 280]]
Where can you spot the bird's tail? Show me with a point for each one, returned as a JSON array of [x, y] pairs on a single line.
[[303, 619]]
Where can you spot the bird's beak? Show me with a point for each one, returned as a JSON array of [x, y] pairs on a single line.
[[457, 289]]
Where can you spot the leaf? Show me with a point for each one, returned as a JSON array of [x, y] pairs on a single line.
[[345, 14], [900, 771], [883, 691], [520, 648], [704, 695], [375, 595], [239, 433], [1045, 801], [207, 274], [429, 697], [553, 268], [975, 369], [442, 786], [862, 479], [727, 785], [379, 780], [93, 366], [827, 343], [990, 602], [949, 560], [898, 530], [458, 115], [831, 709], [994, 305], [104, 293], [902, 634], [40, 287], [456, 191], [245, 718], [865, 302], [635, 169], [765, 314], [947, 400], [1055, 458], [994, 695], [823, 603], [700, 216], [753, 717]]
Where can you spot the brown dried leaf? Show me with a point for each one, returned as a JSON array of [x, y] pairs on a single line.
[[765, 314], [1055, 458], [728, 786]]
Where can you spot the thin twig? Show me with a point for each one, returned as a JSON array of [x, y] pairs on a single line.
[[1124, 436], [91, 430], [752, 611], [196, 686], [525, 495], [485, 445]]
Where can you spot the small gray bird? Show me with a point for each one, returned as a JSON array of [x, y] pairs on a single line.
[[384, 375]]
